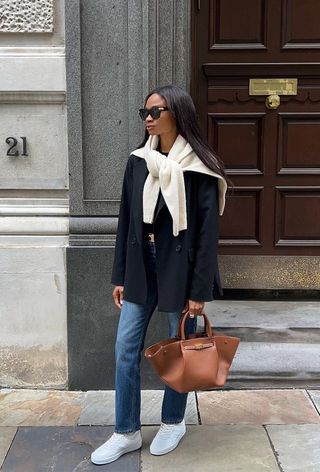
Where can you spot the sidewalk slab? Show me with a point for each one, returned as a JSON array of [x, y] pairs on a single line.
[[297, 446], [219, 448], [98, 408], [63, 449], [39, 407], [315, 396], [257, 407], [7, 434]]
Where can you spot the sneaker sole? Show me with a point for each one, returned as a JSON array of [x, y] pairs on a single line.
[[168, 449], [116, 456]]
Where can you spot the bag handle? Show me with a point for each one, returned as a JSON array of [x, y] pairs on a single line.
[[181, 328]]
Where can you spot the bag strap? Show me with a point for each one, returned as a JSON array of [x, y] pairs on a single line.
[[181, 327]]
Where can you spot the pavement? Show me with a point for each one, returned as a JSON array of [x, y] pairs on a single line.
[[237, 430]]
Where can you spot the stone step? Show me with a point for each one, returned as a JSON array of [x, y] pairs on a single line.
[[289, 360], [279, 341], [266, 321]]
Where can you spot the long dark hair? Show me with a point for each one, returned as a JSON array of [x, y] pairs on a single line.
[[182, 107]]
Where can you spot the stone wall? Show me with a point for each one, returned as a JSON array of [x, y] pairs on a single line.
[[33, 195], [116, 52]]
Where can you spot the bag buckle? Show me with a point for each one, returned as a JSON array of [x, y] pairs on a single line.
[[198, 346]]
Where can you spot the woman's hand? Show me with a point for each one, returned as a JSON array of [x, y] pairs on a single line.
[[194, 307], [118, 296]]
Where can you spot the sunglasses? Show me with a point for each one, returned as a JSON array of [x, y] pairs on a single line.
[[154, 112]]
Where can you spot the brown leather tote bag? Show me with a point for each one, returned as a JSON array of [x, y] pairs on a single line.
[[200, 361]]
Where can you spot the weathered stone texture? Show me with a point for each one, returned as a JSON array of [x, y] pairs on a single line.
[[26, 16]]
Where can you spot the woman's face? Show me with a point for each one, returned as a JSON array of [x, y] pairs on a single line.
[[165, 123]]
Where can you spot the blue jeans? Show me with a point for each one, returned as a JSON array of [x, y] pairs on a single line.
[[133, 324]]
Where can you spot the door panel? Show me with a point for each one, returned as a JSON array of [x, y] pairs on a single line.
[[227, 32], [238, 137], [298, 143], [271, 155], [296, 209], [300, 24]]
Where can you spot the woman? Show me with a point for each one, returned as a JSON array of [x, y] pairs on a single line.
[[166, 254]]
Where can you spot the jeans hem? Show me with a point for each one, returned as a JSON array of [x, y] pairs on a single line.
[[171, 421], [132, 430]]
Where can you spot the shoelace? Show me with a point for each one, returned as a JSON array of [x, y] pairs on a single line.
[[115, 437], [167, 427]]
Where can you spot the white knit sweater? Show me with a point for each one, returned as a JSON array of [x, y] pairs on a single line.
[[167, 174]]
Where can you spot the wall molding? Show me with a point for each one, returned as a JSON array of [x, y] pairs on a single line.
[[34, 225], [32, 51], [25, 97]]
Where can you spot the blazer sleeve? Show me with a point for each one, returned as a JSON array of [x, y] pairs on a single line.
[[119, 261], [206, 271]]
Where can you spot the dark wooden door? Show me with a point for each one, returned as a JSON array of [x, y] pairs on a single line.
[[271, 155]]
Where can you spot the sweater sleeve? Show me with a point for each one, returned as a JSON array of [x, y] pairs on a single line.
[[119, 262], [205, 271]]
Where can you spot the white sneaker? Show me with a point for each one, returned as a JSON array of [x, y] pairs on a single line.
[[167, 438], [115, 447]]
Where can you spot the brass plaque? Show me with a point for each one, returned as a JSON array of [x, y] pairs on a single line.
[[273, 86]]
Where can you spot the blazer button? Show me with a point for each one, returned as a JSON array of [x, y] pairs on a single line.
[[178, 248], [133, 241]]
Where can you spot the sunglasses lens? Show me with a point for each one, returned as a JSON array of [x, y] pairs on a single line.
[[143, 113], [155, 113]]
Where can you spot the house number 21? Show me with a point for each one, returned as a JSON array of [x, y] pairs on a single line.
[[13, 151]]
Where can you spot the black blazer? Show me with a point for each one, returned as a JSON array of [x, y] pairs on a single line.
[[187, 265]]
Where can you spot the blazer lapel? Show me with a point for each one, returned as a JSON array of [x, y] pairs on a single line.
[[160, 205], [141, 173]]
